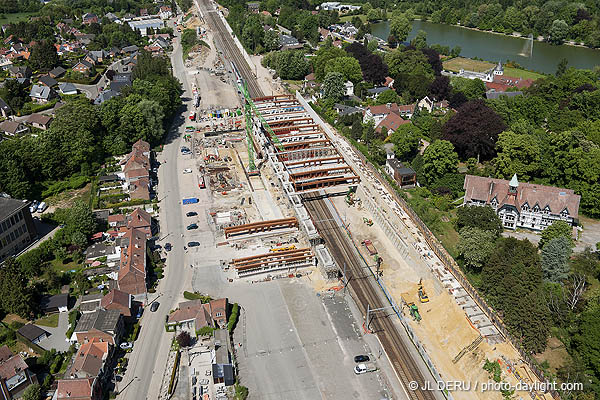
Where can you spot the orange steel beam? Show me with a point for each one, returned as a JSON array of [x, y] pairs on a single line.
[[277, 96], [261, 226], [264, 263], [304, 145], [317, 184], [286, 129], [314, 161], [286, 122]]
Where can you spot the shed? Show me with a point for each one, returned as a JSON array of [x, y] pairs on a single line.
[[33, 333], [56, 303]]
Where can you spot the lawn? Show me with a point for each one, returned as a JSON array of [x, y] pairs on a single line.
[[458, 63], [48, 320], [521, 73], [347, 18], [58, 265], [16, 17]]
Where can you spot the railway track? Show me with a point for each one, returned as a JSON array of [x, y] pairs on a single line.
[[367, 293], [230, 50]]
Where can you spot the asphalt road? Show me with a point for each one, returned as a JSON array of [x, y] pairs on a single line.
[[146, 361]]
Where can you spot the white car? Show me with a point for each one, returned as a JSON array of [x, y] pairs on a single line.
[[187, 171], [126, 345]]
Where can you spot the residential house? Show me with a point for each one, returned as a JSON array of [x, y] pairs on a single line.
[[84, 39], [141, 220], [33, 333], [288, 42], [47, 80], [165, 12], [389, 82], [104, 96], [39, 121], [140, 189], [523, 205], [55, 304], [15, 375], [13, 128], [20, 72], [132, 273], [78, 389], [391, 122], [112, 18], [348, 89], [90, 302], [5, 63], [404, 176], [378, 113], [117, 86], [67, 88], [492, 94], [373, 93], [222, 367], [41, 94], [91, 360], [104, 251], [83, 67], [193, 315], [253, 6], [117, 300], [504, 83], [144, 25], [129, 63], [100, 55], [324, 34], [104, 325], [486, 76], [130, 49], [57, 72], [143, 12], [5, 109], [430, 105], [266, 13], [17, 230], [128, 17], [344, 110], [89, 18], [91, 58], [115, 220]]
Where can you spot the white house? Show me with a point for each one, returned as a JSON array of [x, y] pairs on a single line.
[[522, 205], [348, 89]]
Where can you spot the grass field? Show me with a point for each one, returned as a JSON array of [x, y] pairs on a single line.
[[16, 17], [521, 73], [347, 18], [458, 63], [60, 267], [48, 320]]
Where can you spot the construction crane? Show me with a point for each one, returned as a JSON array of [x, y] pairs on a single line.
[[272, 134]]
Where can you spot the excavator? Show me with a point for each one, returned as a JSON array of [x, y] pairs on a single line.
[[423, 298]]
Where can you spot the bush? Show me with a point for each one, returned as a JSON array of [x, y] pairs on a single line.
[[74, 182], [233, 317], [196, 296], [205, 331]]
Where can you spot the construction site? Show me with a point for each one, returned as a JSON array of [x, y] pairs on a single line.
[[291, 197]]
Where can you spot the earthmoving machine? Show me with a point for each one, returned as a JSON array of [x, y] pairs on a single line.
[[423, 298], [414, 311], [367, 221]]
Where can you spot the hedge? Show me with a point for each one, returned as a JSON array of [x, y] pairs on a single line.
[[174, 372], [233, 317], [196, 296]]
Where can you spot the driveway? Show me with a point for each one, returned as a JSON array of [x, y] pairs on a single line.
[[57, 339]]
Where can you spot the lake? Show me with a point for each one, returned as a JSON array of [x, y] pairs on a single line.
[[494, 48]]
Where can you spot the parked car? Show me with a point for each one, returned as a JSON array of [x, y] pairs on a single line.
[[193, 244], [118, 378], [33, 207], [154, 306], [361, 358], [168, 246], [126, 345], [192, 226], [191, 214], [187, 171], [42, 206]]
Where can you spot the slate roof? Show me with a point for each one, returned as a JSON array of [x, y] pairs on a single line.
[[102, 320], [40, 92], [66, 87], [31, 331], [47, 80], [56, 301], [10, 206], [39, 119], [58, 71]]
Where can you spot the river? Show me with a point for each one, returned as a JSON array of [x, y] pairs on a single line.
[[494, 48]]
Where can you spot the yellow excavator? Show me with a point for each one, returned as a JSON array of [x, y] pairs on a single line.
[[423, 298]]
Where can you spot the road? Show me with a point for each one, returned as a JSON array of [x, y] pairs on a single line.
[[146, 361]]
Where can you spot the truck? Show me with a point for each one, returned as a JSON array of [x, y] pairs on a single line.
[[369, 246], [190, 200], [192, 115], [363, 368]]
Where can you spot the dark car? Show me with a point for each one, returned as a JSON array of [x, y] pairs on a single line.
[[154, 306], [191, 214], [192, 226], [361, 358], [168, 246], [193, 244]]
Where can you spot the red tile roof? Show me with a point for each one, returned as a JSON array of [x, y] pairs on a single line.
[[12, 367], [90, 358], [117, 299], [75, 389], [383, 109], [132, 274], [391, 122]]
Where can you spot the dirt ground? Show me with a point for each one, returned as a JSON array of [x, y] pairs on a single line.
[[67, 198], [556, 355]]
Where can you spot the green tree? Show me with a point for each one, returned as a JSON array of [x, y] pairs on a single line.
[[322, 58], [557, 229], [389, 96], [471, 88], [373, 15], [439, 158], [81, 219], [558, 31], [555, 259], [271, 40], [347, 66], [475, 246], [585, 341], [356, 130], [43, 56], [33, 392], [253, 33], [15, 296], [517, 154], [420, 41], [483, 218], [400, 27], [333, 86], [79, 239], [406, 140]]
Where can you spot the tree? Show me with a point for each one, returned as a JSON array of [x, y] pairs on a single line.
[[473, 130], [356, 130], [347, 66], [472, 88], [519, 154], [43, 56], [420, 41], [406, 140], [556, 230], [400, 27], [15, 296], [483, 218], [184, 339], [253, 32], [555, 259], [585, 341], [475, 246], [439, 158], [511, 281], [271, 40], [558, 31], [392, 41], [322, 58], [289, 64], [79, 239], [562, 66], [333, 86], [389, 96], [81, 219], [33, 392], [440, 88]]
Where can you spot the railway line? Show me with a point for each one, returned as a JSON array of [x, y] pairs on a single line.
[[366, 293], [230, 50]]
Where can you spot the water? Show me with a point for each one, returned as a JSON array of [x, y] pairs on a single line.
[[494, 48]]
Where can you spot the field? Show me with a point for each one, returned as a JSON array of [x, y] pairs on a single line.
[[16, 17], [48, 320], [458, 63], [348, 18], [521, 73]]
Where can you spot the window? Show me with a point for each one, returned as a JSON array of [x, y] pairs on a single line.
[[219, 314]]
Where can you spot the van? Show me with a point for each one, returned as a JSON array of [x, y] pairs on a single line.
[[42, 206]]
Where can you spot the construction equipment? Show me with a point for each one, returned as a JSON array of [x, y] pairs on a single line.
[[349, 199], [252, 170], [369, 246], [414, 311], [367, 221], [423, 298], [278, 249], [274, 137]]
